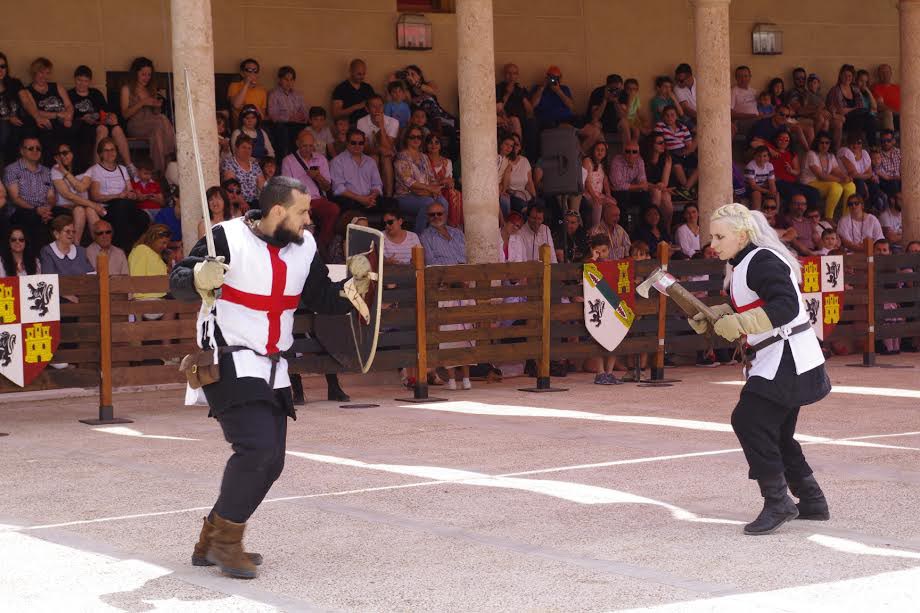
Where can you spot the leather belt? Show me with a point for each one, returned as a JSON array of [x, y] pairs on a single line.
[[753, 349]]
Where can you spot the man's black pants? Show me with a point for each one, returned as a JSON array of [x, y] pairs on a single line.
[[765, 430], [258, 432]]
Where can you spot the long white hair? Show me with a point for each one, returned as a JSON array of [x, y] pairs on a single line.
[[754, 225]]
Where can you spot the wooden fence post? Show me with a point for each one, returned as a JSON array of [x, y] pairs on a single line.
[[664, 256], [106, 409], [869, 348], [420, 393], [546, 278]]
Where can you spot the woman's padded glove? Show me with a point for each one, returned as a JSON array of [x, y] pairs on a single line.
[[356, 288], [754, 321], [701, 324], [209, 276]]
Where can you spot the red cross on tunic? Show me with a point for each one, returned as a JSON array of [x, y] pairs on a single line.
[[274, 305]]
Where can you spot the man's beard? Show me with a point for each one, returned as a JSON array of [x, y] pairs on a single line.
[[283, 236]]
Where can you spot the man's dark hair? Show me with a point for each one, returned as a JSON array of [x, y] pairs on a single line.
[[373, 97], [279, 190], [394, 85], [886, 132], [83, 71], [683, 69], [144, 163], [742, 67], [659, 81], [614, 78], [631, 81], [539, 208], [882, 241], [798, 70], [317, 111], [355, 132], [285, 71], [248, 60]]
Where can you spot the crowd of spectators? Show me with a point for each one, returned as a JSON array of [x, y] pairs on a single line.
[[823, 168]]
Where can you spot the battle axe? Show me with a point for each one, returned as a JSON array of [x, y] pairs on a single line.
[[668, 285]]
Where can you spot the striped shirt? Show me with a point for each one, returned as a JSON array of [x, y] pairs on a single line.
[[33, 184], [675, 138], [760, 175], [440, 251], [890, 163]]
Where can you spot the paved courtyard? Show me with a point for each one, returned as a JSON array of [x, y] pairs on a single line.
[[598, 499]]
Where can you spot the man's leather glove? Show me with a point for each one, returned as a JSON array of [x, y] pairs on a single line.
[[209, 276], [754, 321], [701, 324]]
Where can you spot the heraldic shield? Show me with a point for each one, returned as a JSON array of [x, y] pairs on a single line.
[[31, 325], [822, 291], [351, 339], [610, 301]]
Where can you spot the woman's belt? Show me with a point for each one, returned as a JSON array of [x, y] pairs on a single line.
[[751, 351]]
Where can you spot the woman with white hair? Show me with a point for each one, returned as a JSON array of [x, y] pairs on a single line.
[[786, 369]]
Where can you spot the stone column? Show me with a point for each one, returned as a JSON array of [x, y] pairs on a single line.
[[910, 117], [193, 48], [712, 73], [476, 84]]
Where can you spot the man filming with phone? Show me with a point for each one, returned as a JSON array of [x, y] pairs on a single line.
[[312, 169]]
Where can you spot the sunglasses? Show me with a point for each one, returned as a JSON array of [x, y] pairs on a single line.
[[356, 142], [769, 208], [17, 239], [436, 214], [630, 150], [251, 70], [102, 232], [162, 234], [854, 203], [824, 142], [414, 137], [32, 148], [64, 152], [2, 66], [389, 222], [887, 140]]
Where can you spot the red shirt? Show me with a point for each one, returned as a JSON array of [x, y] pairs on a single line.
[[149, 188], [779, 166], [890, 93]]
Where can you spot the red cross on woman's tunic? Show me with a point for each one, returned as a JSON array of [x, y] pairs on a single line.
[[274, 305]]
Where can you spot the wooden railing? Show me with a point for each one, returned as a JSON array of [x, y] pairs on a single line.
[[448, 316]]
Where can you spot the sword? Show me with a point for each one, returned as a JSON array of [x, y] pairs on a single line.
[[202, 192]]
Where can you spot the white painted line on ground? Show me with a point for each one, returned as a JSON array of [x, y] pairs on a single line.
[[894, 591], [123, 431], [848, 546], [51, 577], [504, 410], [890, 392], [565, 490]]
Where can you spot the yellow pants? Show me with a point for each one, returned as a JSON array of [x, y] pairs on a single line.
[[832, 191]]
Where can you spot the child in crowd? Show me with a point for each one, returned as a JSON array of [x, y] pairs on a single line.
[[149, 194], [830, 243], [398, 106], [419, 119], [170, 216], [322, 135], [339, 137], [638, 251], [251, 126], [760, 178], [269, 167], [599, 248], [765, 104]]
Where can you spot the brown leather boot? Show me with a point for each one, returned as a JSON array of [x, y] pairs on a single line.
[[199, 556], [226, 549]]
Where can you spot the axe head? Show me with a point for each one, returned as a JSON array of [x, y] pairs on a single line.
[[659, 279]]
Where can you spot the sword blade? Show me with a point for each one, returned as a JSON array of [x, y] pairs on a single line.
[[202, 192]]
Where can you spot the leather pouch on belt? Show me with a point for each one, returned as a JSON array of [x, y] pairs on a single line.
[[199, 368]]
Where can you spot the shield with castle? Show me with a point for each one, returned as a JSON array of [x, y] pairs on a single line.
[[30, 325], [610, 300], [822, 291]]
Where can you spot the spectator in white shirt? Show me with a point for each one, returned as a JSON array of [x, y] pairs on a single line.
[[397, 242], [382, 133], [858, 225], [857, 163], [744, 101], [890, 220], [685, 91], [688, 233], [535, 234]]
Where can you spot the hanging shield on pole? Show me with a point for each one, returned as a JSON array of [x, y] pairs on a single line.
[[352, 339]]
